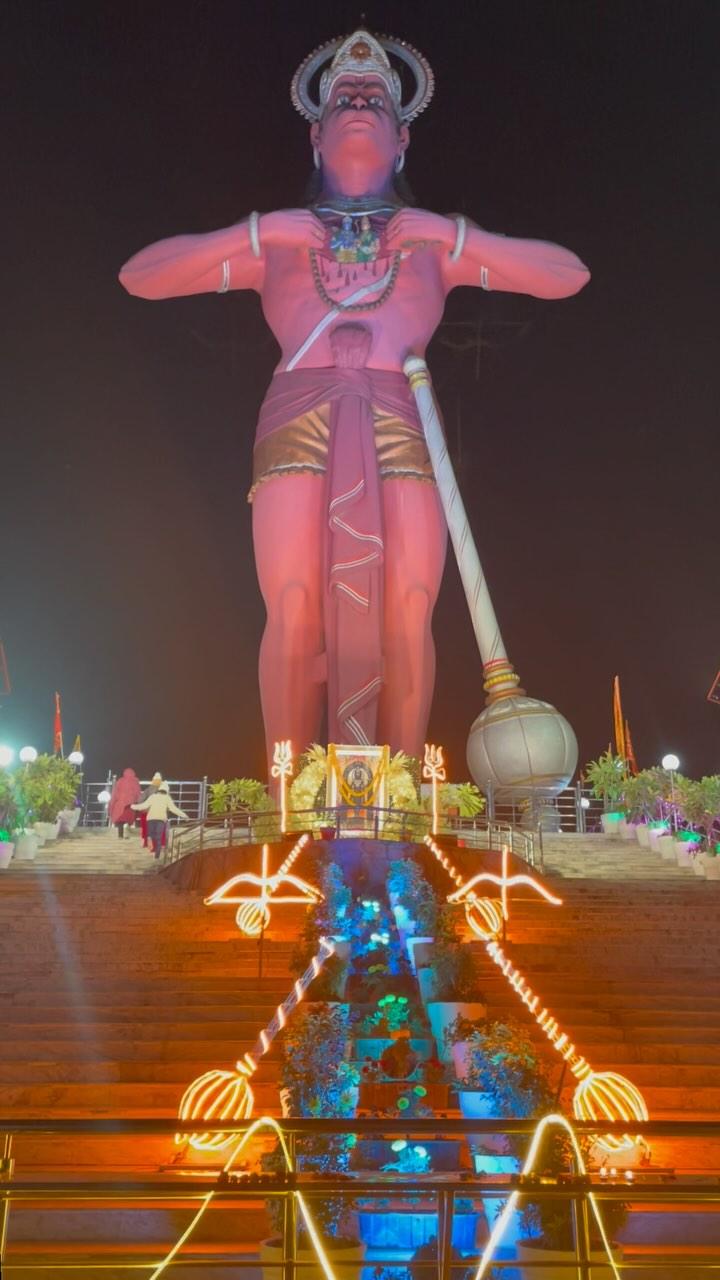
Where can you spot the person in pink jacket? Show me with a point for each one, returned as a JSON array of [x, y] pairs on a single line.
[[124, 794]]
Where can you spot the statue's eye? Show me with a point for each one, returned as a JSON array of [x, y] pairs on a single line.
[[343, 100], [376, 101]]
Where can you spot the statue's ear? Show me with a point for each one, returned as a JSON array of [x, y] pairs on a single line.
[[404, 137], [315, 132]]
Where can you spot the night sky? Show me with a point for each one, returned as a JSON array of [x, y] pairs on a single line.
[[584, 431]]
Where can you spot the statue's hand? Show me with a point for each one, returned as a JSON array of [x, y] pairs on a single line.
[[413, 229], [291, 229]]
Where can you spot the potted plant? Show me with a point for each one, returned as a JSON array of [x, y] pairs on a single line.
[[547, 1225], [415, 909], [607, 776], [712, 862], [8, 817], [45, 786], [332, 917], [317, 1080], [454, 985]]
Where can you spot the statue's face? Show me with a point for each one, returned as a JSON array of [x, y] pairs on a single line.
[[359, 122]]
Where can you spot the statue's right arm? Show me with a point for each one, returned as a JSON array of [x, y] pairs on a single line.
[[194, 264], [218, 260]]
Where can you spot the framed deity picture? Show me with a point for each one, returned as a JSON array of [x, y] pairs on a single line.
[[357, 777]]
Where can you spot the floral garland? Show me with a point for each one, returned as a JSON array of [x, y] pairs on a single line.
[[311, 778]]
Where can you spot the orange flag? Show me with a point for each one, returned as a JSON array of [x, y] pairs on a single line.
[[57, 729], [632, 762], [619, 723]]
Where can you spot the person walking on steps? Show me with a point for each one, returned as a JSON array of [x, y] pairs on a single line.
[[149, 791], [125, 792], [158, 807]]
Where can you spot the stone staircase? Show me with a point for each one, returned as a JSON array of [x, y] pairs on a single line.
[[601, 857], [89, 851]]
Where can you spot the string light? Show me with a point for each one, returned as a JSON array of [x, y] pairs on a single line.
[[282, 768], [599, 1095], [226, 1095], [253, 915], [434, 769]]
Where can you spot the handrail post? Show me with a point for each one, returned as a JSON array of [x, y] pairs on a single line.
[[6, 1173], [445, 1223], [290, 1218], [581, 1231], [579, 811]]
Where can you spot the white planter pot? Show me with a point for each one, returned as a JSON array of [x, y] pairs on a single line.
[[698, 865], [347, 1261], [26, 846], [610, 823], [420, 952], [666, 847], [48, 830], [682, 853], [426, 982], [69, 819], [712, 868], [527, 1252], [642, 835], [6, 853], [442, 1013], [626, 829], [655, 834]]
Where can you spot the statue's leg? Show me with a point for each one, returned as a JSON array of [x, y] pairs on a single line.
[[287, 534], [415, 542]]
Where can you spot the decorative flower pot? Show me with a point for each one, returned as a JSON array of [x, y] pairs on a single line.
[[683, 856], [48, 830], [426, 982], [655, 833], [26, 846], [542, 1259], [407, 1228], [349, 1253], [712, 868], [442, 1013], [626, 830], [698, 864], [6, 853], [666, 847], [642, 834], [420, 951], [610, 823], [69, 819]]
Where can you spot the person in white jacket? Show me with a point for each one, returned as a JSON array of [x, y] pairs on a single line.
[[158, 806]]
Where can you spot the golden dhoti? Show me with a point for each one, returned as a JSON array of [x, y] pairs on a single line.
[[302, 445]]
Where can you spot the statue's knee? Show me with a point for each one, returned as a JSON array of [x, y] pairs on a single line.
[[293, 609], [418, 606]]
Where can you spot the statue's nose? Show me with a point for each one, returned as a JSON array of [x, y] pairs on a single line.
[[358, 102]]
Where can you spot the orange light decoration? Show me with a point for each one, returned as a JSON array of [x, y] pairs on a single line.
[[531, 1160], [227, 1095], [434, 769], [282, 769], [600, 1094], [253, 915]]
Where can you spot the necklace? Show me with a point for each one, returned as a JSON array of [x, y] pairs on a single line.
[[356, 205], [353, 306]]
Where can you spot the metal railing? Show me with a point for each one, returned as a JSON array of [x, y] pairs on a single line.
[[190, 795], [444, 1196], [574, 810], [247, 827]]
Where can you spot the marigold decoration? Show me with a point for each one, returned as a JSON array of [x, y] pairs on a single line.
[[434, 769], [253, 915], [282, 769], [311, 779]]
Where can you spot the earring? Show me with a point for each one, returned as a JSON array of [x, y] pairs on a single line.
[[400, 162], [316, 157]]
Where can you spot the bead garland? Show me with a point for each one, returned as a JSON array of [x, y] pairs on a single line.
[[354, 306]]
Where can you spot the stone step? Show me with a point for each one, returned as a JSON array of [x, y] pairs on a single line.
[[120, 1071], [71, 1049], [123, 1099], [243, 1027]]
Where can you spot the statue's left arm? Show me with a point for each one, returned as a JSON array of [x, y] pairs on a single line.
[[471, 256]]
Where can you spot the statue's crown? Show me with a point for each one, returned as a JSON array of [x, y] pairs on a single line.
[[362, 54]]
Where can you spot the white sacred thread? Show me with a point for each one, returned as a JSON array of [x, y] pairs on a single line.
[[225, 276], [459, 238], [253, 230]]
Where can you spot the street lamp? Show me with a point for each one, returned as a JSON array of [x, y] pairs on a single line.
[[6, 756], [104, 796], [76, 757], [671, 763], [27, 755]]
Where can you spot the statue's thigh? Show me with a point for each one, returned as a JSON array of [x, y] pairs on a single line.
[[415, 539], [287, 534]]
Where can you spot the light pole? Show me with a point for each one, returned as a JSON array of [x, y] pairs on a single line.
[[671, 763]]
